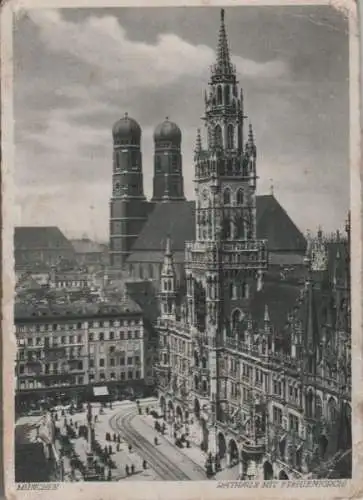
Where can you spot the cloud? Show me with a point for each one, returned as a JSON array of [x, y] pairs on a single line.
[[75, 78], [102, 43]]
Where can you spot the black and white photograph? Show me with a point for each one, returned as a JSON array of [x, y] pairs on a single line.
[[182, 244]]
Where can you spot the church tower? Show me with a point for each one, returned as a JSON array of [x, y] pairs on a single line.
[[168, 173], [224, 266], [128, 205]]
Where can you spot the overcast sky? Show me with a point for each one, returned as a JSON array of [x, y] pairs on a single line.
[[78, 70]]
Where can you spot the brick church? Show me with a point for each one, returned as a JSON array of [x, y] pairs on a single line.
[[139, 227]]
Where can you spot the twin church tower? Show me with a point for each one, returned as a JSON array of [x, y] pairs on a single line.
[[129, 207]]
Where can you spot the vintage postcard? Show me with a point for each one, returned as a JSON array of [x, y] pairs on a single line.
[[181, 250]]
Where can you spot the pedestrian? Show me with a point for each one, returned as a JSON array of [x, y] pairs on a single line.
[[127, 470], [144, 464], [109, 475], [156, 441], [96, 418], [130, 448], [114, 437], [132, 469]]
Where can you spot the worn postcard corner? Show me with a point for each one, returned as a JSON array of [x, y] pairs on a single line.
[[182, 250]]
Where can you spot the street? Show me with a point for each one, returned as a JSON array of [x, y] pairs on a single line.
[[168, 461]]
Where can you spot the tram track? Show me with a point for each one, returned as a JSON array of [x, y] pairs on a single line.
[[161, 465]]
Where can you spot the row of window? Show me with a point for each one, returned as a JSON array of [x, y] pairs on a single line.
[[78, 339], [130, 335], [80, 380], [38, 354], [129, 375], [52, 368], [292, 419], [76, 326], [113, 361]]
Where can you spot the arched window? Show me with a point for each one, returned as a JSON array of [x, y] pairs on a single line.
[[236, 319], [230, 136], [309, 404], [240, 197], [227, 196], [227, 93], [218, 136], [318, 407], [219, 95]]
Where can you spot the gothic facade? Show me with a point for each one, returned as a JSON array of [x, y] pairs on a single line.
[[261, 363]]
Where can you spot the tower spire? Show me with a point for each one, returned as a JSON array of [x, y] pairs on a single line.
[[223, 58], [250, 146], [198, 142]]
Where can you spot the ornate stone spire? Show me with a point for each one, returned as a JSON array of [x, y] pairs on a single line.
[[250, 145], [198, 142], [168, 264], [223, 58]]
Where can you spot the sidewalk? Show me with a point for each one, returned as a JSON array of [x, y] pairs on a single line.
[[188, 459]]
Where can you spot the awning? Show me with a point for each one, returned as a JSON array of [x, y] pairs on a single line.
[[100, 391]]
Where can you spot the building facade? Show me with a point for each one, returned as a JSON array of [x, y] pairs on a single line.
[[65, 351], [260, 362]]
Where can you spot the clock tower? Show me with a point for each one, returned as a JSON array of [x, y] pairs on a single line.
[[224, 266]]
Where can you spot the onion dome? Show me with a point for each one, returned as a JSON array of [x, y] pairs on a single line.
[[168, 132], [126, 130]]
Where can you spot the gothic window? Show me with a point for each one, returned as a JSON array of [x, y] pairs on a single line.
[[226, 229], [230, 136], [218, 136], [332, 410], [219, 95], [318, 407], [240, 197], [226, 95], [239, 228], [227, 196], [309, 404], [236, 319]]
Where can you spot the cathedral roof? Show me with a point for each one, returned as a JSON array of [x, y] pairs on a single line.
[[177, 219], [126, 129], [168, 131], [275, 226]]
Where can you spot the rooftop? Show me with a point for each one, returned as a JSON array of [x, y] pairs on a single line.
[[26, 312]]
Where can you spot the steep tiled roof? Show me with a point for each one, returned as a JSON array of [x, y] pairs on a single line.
[[40, 237], [275, 226], [280, 298], [75, 310], [177, 219]]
